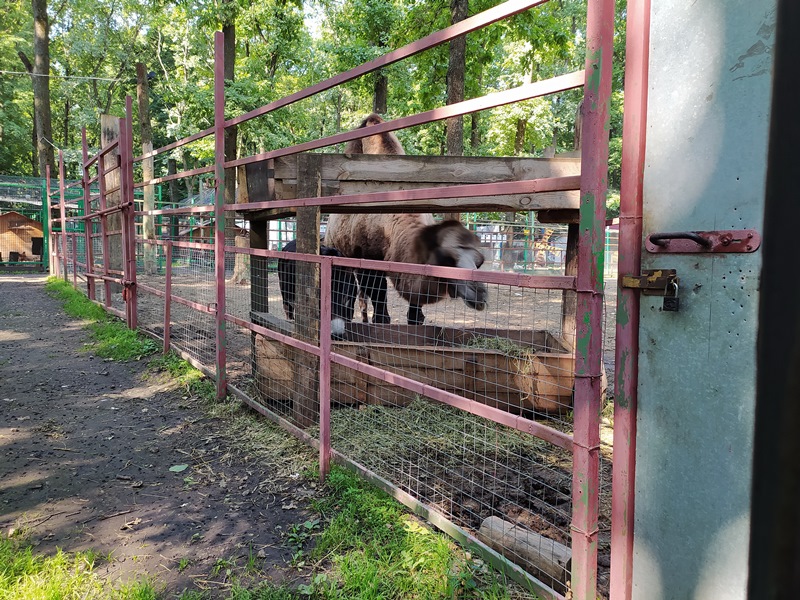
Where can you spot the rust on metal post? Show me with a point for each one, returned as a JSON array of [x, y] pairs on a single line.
[[129, 213], [326, 283], [219, 214], [63, 207], [634, 132], [589, 321], [167, 295]]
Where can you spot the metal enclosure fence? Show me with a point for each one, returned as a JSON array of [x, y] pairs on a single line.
[[487, 422]]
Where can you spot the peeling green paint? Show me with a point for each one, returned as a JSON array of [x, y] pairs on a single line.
[[623, 317], [593, 80]]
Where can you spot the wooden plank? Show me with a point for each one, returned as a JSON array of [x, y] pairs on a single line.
[[553, 215], [431, 169], [385, 394], [356, 174], [306, 398], [521, 202], [396, 335]]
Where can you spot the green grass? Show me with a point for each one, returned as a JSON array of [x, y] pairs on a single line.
[[377, 550], [185, 375], [363, 546], [110, 337], [25, 575]]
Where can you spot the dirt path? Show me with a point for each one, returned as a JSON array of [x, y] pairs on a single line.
[[87, 447]]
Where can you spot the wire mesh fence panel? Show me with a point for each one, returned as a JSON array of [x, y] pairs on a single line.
[[476, 473]]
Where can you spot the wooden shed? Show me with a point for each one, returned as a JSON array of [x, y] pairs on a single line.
[[20, 238]]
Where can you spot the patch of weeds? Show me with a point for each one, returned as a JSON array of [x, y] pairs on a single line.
[[224, 567], [139, 590], [75, 303], [320, 585], [252, 561], [183, 564], [111, 337], [296, 538], [189, 378], [193, 595], [377, 550], [25, 575]]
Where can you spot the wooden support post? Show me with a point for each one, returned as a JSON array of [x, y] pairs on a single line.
[[306, 383], [109, 131], [569, 302]]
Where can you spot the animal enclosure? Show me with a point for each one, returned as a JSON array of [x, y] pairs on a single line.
[[485, 421]]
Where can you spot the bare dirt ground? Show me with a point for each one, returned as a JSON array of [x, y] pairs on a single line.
[[87, 447]]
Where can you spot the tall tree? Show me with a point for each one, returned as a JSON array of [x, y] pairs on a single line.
[[229, 68], [456, 72], [146, 133], [41, 85], [35, 137]]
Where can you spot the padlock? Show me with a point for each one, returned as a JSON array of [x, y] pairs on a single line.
[[672, 302]]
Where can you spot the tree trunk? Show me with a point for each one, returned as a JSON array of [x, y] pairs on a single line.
[[475, 133], [172, 169], [148, 172], [456, 69], [380, 100], [229, 44], [41, 85], [35, 134], [507, 254], [578, 126], [519, 138]]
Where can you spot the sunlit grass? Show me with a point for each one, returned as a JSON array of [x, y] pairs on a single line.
[[111, 337], [25, 575]]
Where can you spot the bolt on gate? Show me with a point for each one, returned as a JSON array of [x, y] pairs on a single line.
[[484, 421]]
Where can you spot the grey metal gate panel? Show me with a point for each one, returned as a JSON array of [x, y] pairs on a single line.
[[705, 166]]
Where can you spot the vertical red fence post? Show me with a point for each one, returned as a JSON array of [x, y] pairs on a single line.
[[75, 260], [87, 223], [129, 213], [53, 258], [63, 207], [167, 295], [627, 333], [125, 233], [325, 283], [589, 318], [219, 213]]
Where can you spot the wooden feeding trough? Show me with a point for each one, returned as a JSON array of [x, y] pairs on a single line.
[[525, 371], [538, 376]]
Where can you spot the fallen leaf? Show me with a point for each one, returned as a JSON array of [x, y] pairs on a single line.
[[178, 468]]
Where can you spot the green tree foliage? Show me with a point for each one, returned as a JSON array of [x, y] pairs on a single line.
[[282, 47]]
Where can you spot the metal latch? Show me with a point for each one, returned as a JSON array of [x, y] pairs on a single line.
[[654, 282], [657, 282], [703, 242]]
